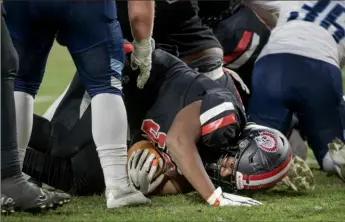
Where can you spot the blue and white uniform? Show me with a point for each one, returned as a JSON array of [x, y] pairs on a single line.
[[298, 71]]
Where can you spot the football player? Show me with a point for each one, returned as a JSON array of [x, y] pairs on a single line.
[[299, 71], [93, 36], [196, 44], [242, 35], [16, 191], [198, 125]]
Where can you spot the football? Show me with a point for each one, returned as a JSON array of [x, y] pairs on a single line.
[[145, 144]]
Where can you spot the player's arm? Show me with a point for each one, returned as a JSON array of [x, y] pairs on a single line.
[[268, 11], [181, 143], [141, 17]]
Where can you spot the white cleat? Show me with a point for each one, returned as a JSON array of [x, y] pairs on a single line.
[[129, 196], [337, 153]]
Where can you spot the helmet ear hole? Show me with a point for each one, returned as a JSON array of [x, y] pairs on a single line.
[[251, 159]]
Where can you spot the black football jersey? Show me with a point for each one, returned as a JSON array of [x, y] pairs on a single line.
[[211, 10], [166, 19], [173, 86], [242, 36]]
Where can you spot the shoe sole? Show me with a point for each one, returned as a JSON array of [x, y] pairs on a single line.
[[337, 153], [126, 201], [45, 207], [299, 177]]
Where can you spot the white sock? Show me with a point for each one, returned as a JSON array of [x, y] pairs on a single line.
[[109, 130], [327, 163], [24, 103]]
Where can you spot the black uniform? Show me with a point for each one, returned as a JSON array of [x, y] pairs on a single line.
[[176, 23], [241, 33], [151, 111], [10, 165]]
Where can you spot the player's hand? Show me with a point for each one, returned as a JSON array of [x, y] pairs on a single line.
[[220, 199], [142, 58], [141, 169]]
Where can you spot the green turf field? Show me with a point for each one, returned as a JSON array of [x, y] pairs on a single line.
[[326, 203]]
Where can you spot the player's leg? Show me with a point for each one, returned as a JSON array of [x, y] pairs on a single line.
[[33, 38], [96, 46], [267, 105], [270, 104], [321, 109], [197, 45], [13, 184], [242, 36], [199, 48], [10, 164]]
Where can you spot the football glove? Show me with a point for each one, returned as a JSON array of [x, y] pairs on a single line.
[[142, 58], [220, 199], [141, 169]]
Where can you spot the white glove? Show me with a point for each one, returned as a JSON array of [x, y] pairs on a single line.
[[141, 171], [220, 199], [142, 58]]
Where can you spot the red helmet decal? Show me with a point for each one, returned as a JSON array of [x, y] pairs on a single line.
[[267, 142]]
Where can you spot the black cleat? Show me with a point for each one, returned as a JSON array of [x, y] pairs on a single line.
[[29, 197], [7, 204]]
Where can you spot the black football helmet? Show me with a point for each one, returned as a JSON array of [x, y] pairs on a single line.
[[262, 158]]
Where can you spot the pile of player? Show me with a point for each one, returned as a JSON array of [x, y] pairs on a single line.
[[176, 86]]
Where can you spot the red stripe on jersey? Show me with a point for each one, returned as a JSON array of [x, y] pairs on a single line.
[[224, 121], [240, 48]]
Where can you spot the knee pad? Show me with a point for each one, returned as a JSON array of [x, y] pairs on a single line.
[[100, 68]]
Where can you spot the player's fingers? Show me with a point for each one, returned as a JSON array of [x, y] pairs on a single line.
[[142, 159], [136, 158], [148, 162], [133, 64], [156, 183], [160, 162], [153, 169]]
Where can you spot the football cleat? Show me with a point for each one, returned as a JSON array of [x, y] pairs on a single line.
[[117, 197], [28, 197], [299, 177], [7, 204], [337, 153]]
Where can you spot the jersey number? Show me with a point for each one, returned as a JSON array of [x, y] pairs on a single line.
[[151, 128], [330, 20]]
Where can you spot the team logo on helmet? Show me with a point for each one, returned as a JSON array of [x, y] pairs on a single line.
[[267, 141]]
